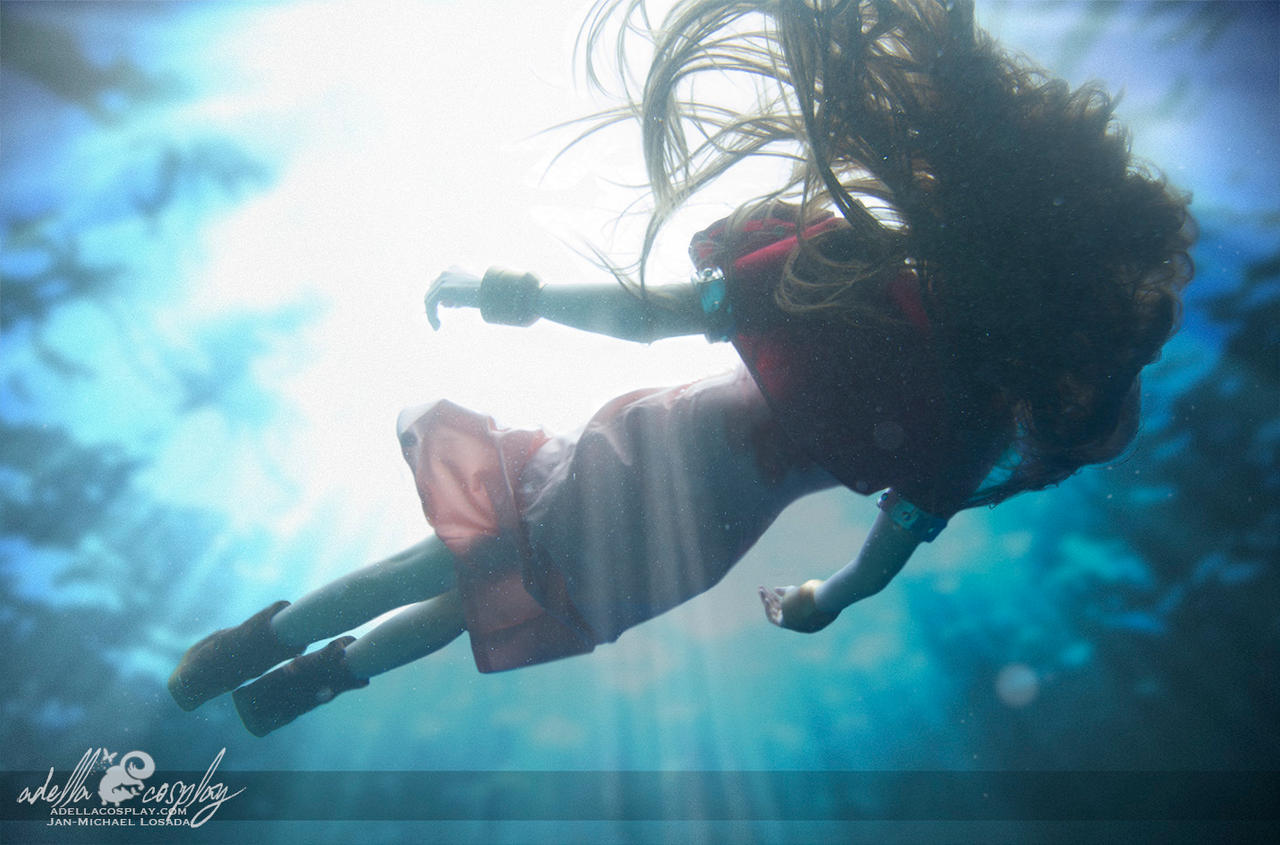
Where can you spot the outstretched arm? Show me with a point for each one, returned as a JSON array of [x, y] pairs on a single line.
[[519, 299], [813, 605]]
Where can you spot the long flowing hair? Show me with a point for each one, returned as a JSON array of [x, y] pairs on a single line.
[[1051, 263]]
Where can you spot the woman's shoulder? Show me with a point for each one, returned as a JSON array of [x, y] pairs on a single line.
[[750, 229]]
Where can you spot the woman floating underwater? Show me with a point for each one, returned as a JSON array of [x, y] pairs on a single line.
[[955, 310]]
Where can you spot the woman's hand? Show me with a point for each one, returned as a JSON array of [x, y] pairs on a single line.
[[454, 288], [796, 608]]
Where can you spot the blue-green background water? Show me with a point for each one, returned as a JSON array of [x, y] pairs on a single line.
[[218, 221]]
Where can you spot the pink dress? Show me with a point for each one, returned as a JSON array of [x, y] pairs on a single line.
[[563, 543]]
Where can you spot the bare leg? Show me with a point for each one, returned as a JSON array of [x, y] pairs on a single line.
[[418, 573], [411, 634]]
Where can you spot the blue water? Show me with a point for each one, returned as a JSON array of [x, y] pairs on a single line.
[[218, 223]]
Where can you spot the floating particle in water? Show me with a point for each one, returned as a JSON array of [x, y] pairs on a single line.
[[888, 435], [1017, 684]]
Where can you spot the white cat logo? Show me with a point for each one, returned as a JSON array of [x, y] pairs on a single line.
[[124, 780]]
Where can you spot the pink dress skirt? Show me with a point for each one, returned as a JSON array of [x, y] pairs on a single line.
[[566, 542]]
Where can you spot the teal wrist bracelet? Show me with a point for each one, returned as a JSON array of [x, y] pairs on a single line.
[[907, 516], [713, 298]]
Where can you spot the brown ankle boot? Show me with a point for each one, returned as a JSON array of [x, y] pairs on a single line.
[[279, 697], [226, 659]]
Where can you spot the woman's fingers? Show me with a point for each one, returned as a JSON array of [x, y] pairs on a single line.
[[772, 599], [432, 302], [795, 608], [453, 288]]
